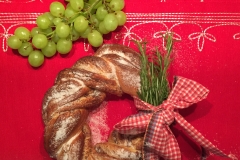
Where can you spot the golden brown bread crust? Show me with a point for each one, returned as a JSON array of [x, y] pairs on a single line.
[[114, 69], [123, 51], [132, 141], [71, 151], [100, 156], [127, 65], [87, 142], [118, 151], [126, 73], [62, 127]]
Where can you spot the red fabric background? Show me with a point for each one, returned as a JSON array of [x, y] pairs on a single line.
[[207, 51]]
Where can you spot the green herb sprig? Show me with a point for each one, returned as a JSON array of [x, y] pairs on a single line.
[[154, 73]]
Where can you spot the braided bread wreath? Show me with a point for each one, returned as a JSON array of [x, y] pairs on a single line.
[[113, 69]]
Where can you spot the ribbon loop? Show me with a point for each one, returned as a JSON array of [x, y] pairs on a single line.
[[186, 92]]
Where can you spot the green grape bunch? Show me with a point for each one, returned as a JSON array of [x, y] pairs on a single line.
[[57, 29]]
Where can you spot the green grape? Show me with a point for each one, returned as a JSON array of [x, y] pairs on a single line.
[[86, 32], [50, 49], [121, 17], [68, 27], [94, 21], [57, 20], [101, 12], [14, 42], [39, 41], [117, 5], [75, 35], [57, 9], [80, 24], [95, 38], [43, 22], [36, 58], [77, 5], [70, 12], [102, 29], [98, 4], [23, 33], [47, 31], [62, 30], [35, 30], [64, 46], [50, 17], [55, 37], [110, 21], [25, 49], [93, 11]]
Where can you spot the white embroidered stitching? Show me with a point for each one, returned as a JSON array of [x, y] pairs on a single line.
[[135, 20], [27, 1]]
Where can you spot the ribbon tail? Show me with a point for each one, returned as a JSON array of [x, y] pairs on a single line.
[[150, 156], [205, 153], [169, 151], [159, 140], [200, 139]]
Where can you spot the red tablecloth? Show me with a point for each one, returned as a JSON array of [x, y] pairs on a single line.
[[207, 51]]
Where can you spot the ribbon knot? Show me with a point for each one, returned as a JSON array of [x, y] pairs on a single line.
[[154, 121], [168, 116]]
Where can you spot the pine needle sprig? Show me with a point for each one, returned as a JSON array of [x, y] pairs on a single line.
[[154, 73]]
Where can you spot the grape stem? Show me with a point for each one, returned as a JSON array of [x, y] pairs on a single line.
[[71, 28], [89, 12], [92, 6], [86, 13], [50, 35], [107, 6]]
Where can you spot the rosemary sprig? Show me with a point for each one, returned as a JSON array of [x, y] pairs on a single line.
[[153, 75]]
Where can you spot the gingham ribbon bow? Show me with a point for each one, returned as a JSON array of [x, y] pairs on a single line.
[[159, 140]]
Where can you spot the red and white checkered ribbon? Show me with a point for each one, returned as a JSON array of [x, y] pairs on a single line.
[[159, 140]]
